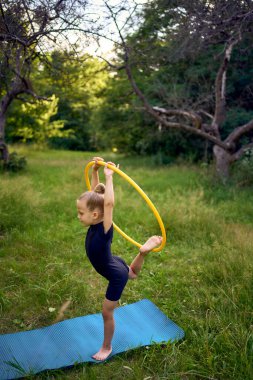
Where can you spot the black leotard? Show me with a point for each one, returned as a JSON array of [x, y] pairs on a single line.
[[113, 268]]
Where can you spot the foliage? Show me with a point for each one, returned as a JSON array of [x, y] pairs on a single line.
[[122, 124], [79, 87], [28, 30], [174, 57], [77, 84], [36, 124], [16, 163], [243, 169], [173, 69]]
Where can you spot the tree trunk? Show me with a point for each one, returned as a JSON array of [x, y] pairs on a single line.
[[4, 153], [223, 161], [5, 102]]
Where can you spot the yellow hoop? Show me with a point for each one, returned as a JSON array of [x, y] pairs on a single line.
[[140, 191]]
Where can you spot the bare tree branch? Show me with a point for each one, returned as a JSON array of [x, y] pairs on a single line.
[[196, 119], [118, 68], [205, 24], [237, 155], [25, 27], [10, 37], [206, 114], [239, 132], [194, 131], [220, 89], [156, 111]]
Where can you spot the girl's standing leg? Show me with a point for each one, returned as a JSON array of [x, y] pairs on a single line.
[[109, 306], [109, 325], [138, 261]]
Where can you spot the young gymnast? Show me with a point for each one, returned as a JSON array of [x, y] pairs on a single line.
[[95, 209]]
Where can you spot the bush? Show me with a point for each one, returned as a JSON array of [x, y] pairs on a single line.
[[15, 163], [243, 169]]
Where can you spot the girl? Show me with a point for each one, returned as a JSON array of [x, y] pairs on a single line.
[[95, 209]]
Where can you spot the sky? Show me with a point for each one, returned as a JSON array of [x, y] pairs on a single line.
[[97, 12]]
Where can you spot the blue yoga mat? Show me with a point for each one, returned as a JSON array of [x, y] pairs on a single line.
[[75, 340]]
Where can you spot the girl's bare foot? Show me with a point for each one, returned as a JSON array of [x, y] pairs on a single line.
[[102, 354], [150, 244]]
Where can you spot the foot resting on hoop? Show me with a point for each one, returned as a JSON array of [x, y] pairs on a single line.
[[138, 262], [150, 244]]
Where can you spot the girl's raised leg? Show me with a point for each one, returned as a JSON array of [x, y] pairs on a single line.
[[138, 261]]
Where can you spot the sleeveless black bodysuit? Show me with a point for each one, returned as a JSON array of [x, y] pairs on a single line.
[[113, 268]]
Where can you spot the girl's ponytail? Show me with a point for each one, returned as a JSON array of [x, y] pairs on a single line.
[[94, 198], [100, 188]]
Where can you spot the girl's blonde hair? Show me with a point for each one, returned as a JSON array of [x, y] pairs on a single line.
[[94, 199]]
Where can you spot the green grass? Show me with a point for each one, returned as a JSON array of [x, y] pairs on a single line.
[[202, 280]]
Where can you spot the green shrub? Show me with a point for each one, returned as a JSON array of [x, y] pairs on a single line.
[[243, 169], [15, 163]]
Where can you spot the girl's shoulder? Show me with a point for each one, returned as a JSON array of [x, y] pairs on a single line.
[[99, 229]]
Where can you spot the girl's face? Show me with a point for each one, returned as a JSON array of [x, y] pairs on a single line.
[[85, 216]]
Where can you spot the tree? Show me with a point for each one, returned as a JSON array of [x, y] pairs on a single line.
[[172, 31], [27, 30], [41, 128], [78, 83]]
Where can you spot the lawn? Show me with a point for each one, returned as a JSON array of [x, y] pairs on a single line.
[[202, 279]]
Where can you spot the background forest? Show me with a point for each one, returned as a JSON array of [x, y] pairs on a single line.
[[90, 103], [96, 109]]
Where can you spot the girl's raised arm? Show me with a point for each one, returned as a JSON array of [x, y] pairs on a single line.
[[108, 198], [94, 175]]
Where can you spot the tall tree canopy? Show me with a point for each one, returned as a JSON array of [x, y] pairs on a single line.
[[173, 40], [27, 30], [78, 84]]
